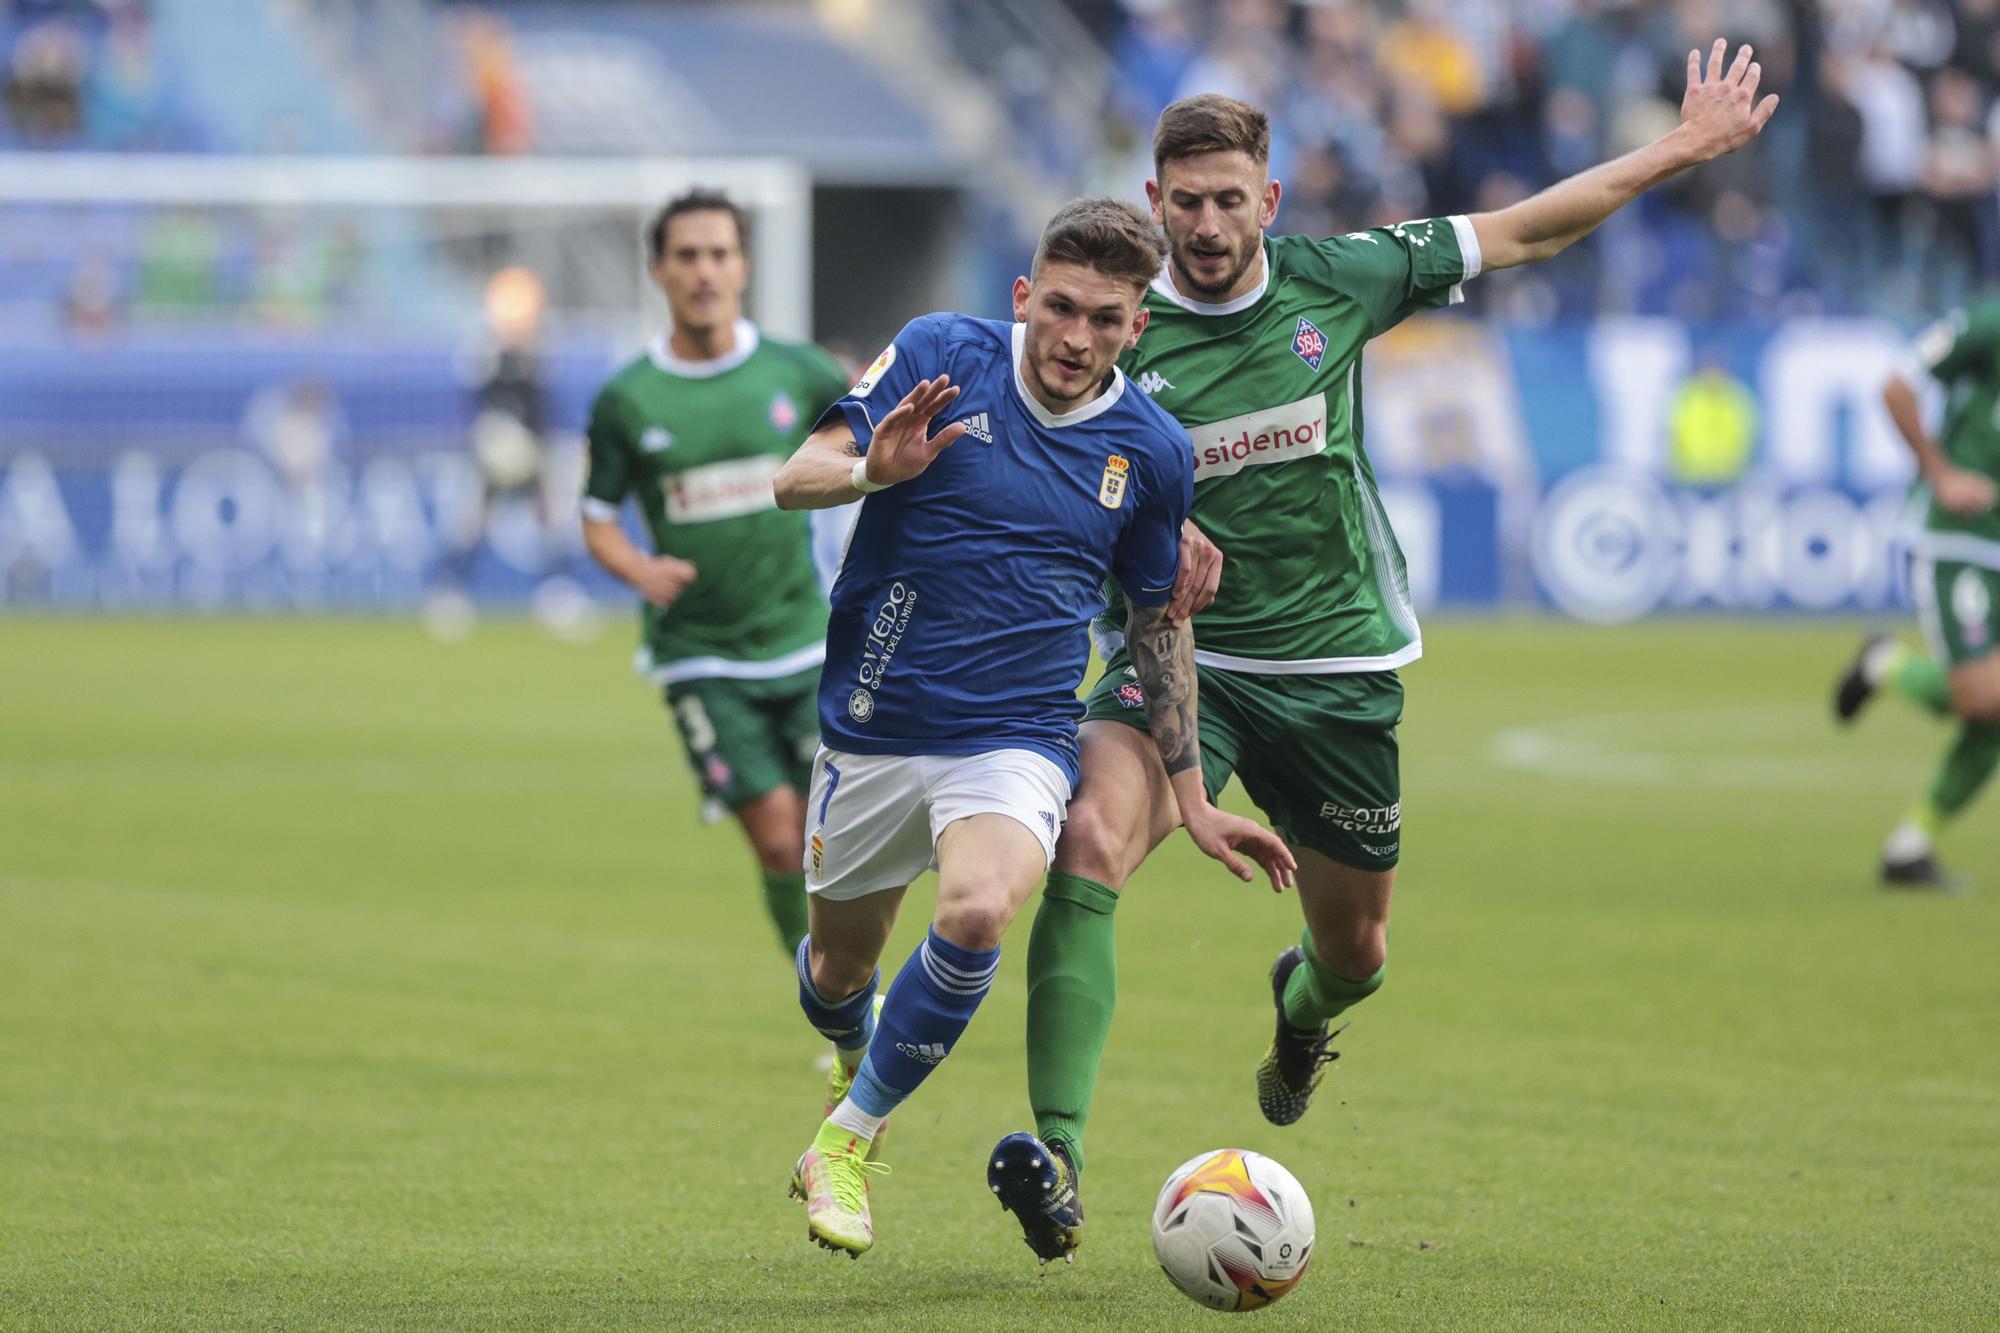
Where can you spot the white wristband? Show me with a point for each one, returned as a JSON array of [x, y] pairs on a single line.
[[860, 479]]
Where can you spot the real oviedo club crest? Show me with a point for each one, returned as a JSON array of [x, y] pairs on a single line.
[[1111, 489]]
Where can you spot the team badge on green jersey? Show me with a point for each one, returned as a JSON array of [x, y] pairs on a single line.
[[1309, 343], [1111, 491]]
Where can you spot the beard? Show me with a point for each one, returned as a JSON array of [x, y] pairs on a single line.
[[1214, 291]]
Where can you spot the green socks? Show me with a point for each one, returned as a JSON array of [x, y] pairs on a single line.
[[785, 900], [1316, 995], [1072, 991], [1966, 767], [1919, 679]]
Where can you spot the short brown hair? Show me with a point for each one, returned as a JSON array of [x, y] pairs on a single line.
[[697, 200], [1210, 123], [1108, 235]]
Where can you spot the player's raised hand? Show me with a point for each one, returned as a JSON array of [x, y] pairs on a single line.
[[903, 445], [1200, 576], [662, 579], [1221, 835], [1720, 111]]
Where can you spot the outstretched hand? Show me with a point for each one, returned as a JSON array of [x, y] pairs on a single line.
[[1221, 835], [1200, 574], [1720, 112], [903, 446]]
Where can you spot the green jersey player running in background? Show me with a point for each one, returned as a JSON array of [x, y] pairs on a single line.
[[733, 616], [1255, 345], [1954, 581]]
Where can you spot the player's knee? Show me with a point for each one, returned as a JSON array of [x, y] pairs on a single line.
[[835, 974], [1977, 707], [975, 921], [779, 857], [1095, 845], [1356, 952]]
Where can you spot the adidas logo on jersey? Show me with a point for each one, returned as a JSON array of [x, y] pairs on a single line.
[[977, 427], [1152, 382], [930, 1052]]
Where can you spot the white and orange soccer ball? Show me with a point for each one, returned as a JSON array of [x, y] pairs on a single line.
[[1233, 1229]]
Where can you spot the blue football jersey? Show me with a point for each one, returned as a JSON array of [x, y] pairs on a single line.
[[961, 609]]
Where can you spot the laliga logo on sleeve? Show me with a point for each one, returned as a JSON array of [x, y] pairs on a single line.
[[1111, 490], [873, 375]]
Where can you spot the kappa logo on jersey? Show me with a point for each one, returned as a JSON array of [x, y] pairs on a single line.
[[1131, 696], [1111, 490], [978, 427], [1152, 382], [873, 375], [656, 439], [1309, 343], [784, 412], [1274, 435]]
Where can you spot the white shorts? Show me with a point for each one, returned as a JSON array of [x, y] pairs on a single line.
[[873, 820]]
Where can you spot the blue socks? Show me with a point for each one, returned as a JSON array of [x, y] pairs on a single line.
[[929, 1004], [848, 1023]]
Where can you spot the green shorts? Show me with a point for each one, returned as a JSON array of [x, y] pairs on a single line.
[[1316, 753], [747, 738], [1956, 603]]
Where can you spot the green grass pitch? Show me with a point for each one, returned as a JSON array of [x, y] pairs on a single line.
[[347, 980]]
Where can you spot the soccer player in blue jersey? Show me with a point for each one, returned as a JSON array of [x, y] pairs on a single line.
[[958, 639]]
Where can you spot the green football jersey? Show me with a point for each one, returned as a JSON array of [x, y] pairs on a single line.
[[1962, 352], [697, 443], [1269, 388]]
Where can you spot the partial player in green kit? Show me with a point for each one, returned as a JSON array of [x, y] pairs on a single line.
[[1255, 346], [1954, 581], [733, 615]]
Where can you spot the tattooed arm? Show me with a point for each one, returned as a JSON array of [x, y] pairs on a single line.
[[1162, 652]]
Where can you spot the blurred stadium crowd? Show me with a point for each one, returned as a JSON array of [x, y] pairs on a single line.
[[1872, 192], [1875, 191]]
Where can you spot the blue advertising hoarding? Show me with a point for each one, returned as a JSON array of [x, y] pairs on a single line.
[[1610, 470]]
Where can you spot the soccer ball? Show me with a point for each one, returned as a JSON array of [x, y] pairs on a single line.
[[1233, 1229]]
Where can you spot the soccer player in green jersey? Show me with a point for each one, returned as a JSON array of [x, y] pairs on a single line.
[[1954, 580], [733, 616], [1255, 345]]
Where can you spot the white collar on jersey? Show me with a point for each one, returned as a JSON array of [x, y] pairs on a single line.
[[1097, 406], [661, 351], [1164, 285]]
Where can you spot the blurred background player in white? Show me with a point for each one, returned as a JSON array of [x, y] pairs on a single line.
[[958, 639], [1954, 581], [733, 618], [509, 438]]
